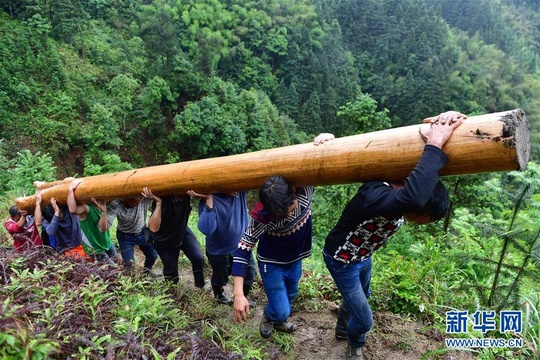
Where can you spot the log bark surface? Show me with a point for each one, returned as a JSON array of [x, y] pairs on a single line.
[[486, 143]]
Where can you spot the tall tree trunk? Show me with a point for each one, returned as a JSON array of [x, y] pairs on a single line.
[[486, 143]]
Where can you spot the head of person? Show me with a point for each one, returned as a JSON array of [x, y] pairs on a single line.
[[229, 194], [48, 213], [132, 201], [14, 212], [435, 208], [278, 196]]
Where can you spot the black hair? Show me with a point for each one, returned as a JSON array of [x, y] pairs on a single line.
[[48, 213], [276, 195], [438, 203], [13, 211]]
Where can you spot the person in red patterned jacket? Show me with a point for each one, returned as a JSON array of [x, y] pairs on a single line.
[[22, 228], [374, 214]]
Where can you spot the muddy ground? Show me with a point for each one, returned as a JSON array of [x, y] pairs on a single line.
[[393, 337]]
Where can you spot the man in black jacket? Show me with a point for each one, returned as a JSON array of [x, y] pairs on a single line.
[[374, 214]]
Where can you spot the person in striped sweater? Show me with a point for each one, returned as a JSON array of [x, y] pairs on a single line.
[[280, 225]]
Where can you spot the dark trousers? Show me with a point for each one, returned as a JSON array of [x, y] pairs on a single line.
[[169, 257], [221, 270]]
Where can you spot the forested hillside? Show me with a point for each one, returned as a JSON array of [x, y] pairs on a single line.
[[104, 85], [98, 86]]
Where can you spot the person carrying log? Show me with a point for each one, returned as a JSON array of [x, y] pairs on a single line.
[[169, 233], [93, 221], [374, 214], [132, 231], [62, 227], [281, 225], [223, 218], [22, 228]]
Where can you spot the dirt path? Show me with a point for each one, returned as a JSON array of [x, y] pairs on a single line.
[[392, 338]]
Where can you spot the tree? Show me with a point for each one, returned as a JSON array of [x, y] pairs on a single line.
[[122, 91], [158, 30], [67, 19], [504, 236], [229, 121], [29, 168], [361, 115]]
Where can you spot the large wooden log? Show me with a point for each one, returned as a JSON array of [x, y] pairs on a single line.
[[486, 143]]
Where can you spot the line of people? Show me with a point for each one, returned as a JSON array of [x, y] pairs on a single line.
[[280, 229], [82, 231]]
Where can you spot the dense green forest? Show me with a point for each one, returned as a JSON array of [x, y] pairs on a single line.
[[102, 85], [97, 86]]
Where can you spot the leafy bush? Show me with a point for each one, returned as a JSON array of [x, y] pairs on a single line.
[[54, 307], [29, 168]]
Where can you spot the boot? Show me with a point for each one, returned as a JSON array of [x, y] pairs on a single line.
[[285, 327], [220, 295], [354, 353], [265, 328], [198, 277]]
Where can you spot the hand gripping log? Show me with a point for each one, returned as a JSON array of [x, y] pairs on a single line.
[[486, 143]]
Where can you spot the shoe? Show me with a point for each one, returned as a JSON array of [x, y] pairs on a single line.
[[354, 353], [285, 327], [223, 299], [252, 304], [265, 328], [341, 333], [207, 288], [220, 295]]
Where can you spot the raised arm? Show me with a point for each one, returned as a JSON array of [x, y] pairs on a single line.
[[322, 138], [38, 216], [438, 129], [154, 222], [207, 223], [74, 208], [101, 205]]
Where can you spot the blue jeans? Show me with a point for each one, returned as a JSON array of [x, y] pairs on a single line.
[[112, 251], [353, 282], [127, 244], [281, 286], [106, 257]]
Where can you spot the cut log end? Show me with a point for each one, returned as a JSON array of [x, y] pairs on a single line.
[[516, 135]]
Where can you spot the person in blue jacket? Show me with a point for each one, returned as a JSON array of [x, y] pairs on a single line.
[[223, 218], [374, 214]]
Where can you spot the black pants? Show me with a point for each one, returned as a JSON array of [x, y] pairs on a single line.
[[222, 267], [169, 257]]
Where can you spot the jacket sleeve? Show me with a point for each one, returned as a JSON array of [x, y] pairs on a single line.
[[12, 227], [207, 219], [51, 227], [419, 185], [247, 243]]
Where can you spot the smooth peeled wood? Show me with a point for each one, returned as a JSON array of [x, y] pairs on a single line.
[[486, 143]]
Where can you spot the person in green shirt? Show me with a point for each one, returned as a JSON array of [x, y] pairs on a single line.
[[93, 218]]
